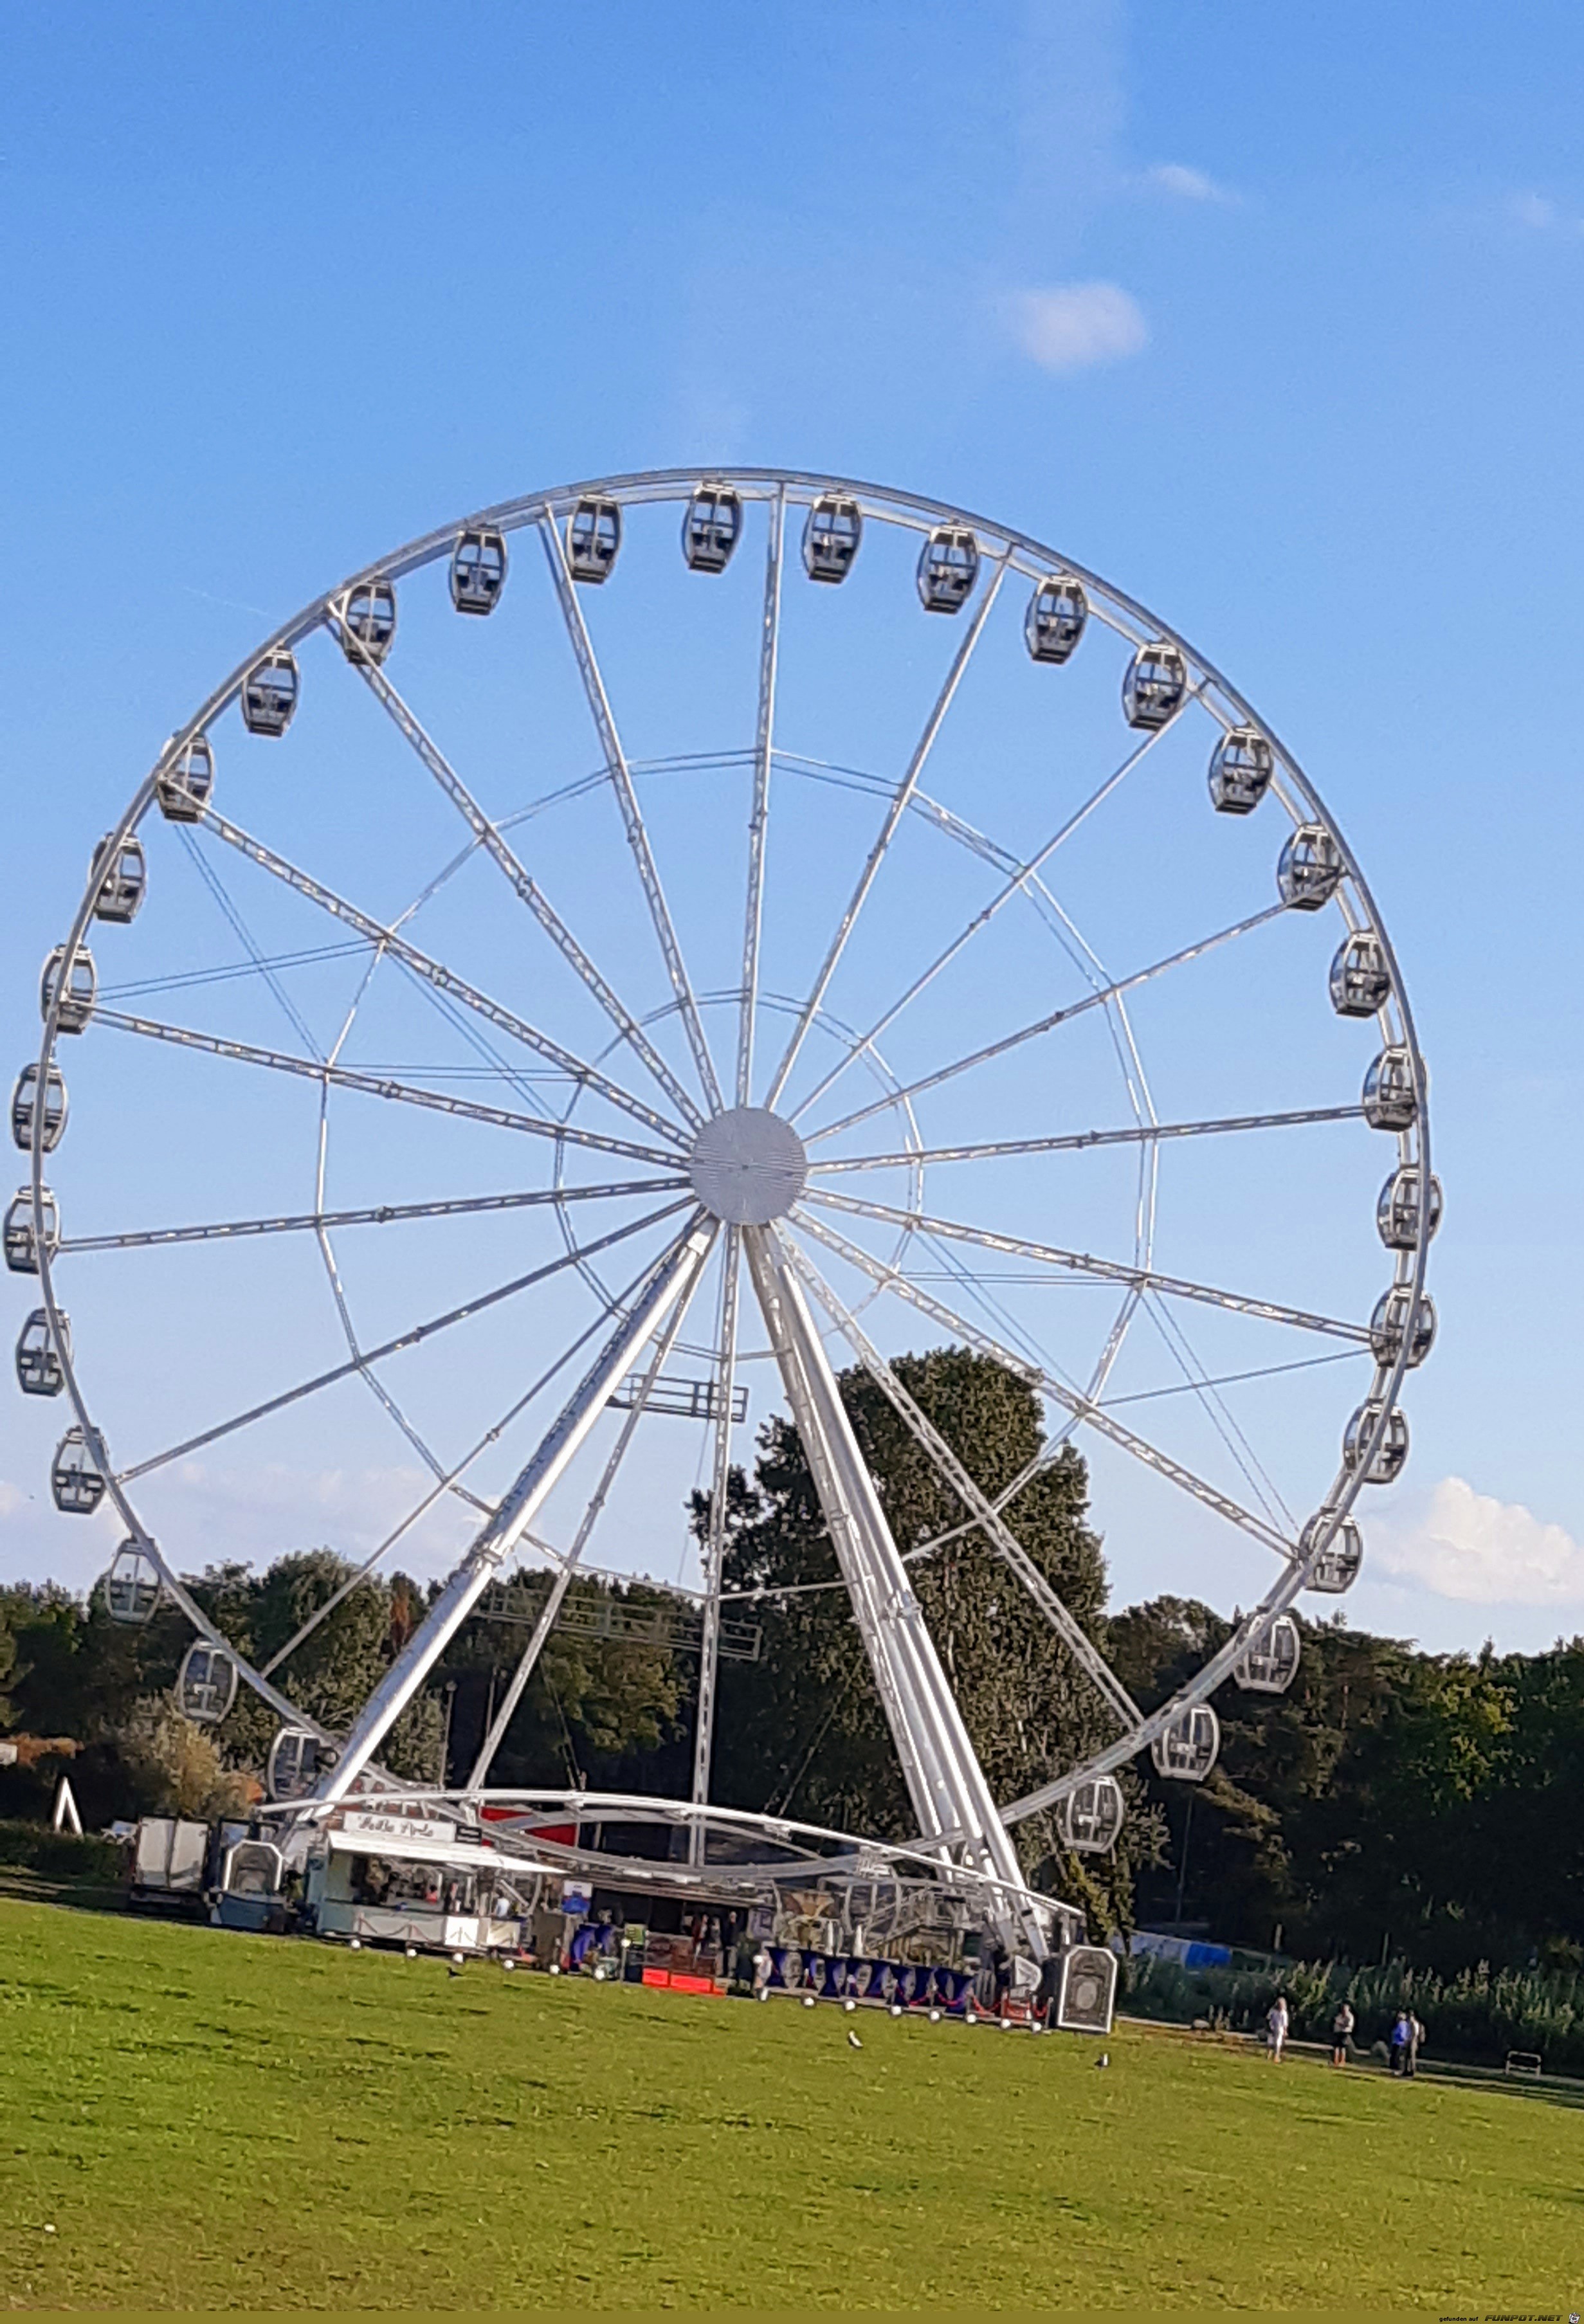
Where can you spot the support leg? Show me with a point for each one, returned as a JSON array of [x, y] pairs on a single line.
[[667, 1283], [944, 1780]]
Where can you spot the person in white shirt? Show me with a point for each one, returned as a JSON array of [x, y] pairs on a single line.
[[1275, 2020]]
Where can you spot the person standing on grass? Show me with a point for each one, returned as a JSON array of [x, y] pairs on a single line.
[[1275, 2024], [1001, 1969], [1342, 2034], [1399, 2043], [1415, 2035]]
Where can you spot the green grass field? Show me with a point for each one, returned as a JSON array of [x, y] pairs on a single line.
[[211, 2121]]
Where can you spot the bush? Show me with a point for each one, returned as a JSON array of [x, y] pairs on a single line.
[[1476, 2016], [60, 1855], [176, 1767]]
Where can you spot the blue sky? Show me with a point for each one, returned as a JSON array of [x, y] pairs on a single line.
[[1270, 316]]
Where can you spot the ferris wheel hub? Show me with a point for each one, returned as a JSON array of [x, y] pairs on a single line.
[[748, 1165]]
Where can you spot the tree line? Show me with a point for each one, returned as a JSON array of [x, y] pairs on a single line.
[[1391, 1803]]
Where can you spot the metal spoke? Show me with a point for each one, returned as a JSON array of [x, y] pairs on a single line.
[[442, 979], [450, 1482], [652, 1301], [593, 686], [1231, 1380], [240, 930], [550, 920], [371, 1379], [378, 1215], [1096, 999], [753, 912], [1220, 1414], [404, 1340], [1137, 1134], [1014, 885], [895, 812], [1103, 1270], [559, 1133], [1080, 1644], [1090, 1416], [715, 1551], [573, 1559]]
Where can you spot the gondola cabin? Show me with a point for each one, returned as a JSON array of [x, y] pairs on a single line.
[[1156, 685], [269, 693], [185, 784], [206, 1685], [1240, 769], [478, 570], [1335, 1565], [1390, 1099], [712, 526], [1057, 614], [29, 1118], [593, 539], [1361, 980], [948, 568], [831, 536], [77, 995], [132, 1587], [1385, 1463], [39, 1368], [366, 621], [1308, 869], [19, 1240], [294, 1763], [1398, 1213], [1400, 1321], [77, 1479], [1271, 1663], [124, 879], [1090, 1817], [1186, 1749]]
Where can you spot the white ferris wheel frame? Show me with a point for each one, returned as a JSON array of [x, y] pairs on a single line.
[[964, 1836]]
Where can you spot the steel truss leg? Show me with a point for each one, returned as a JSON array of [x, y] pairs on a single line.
[[558, 1588], [709, 1658], [944, 1780], [670, 1280]]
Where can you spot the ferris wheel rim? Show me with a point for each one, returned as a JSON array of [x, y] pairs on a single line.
[[1020, 552]]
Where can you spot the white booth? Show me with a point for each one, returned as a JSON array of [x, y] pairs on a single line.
[[404, 1880]]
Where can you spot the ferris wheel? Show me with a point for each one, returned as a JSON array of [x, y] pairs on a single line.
[[655, 978]]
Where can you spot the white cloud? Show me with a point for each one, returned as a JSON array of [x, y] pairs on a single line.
[[1075, 323], [1472, 1547], [12, 1499], [203, 1515], [1186, 184], [1538, 213]]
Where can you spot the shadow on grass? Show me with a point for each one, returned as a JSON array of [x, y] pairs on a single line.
[[25, 1887]]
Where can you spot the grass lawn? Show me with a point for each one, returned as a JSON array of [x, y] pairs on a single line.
[[209, 2120]]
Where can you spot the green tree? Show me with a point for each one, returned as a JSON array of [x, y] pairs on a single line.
[[331, 1675], [175, 1767], [802, 1731], [7, 1667], [605, 1711]]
